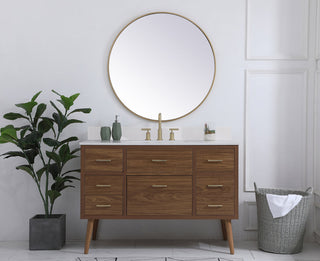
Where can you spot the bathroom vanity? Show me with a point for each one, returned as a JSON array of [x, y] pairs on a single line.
[[159, 180]]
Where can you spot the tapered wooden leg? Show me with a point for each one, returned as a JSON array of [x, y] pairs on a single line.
[[95, 228], [89, 235], [224, 232], [229, 235]]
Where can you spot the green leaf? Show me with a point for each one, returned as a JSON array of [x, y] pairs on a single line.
[[40, 110], [51, 142], [8, 134], [73, 138], [31, 154], [40, 172], [53, 195], [60, 119], [68, 122], [74, 97], [45, 125], [57, 109], [54, 170], [24, 130], [27, 169], [31, 141], [35, 96], [13, 116], [54, 156], [3, 140], [67, 102], [83, 110], [64, 153], [75, 151], [10, 154], [28, 106], [71, 171]]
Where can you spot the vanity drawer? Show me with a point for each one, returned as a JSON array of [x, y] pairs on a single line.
[[99, 185], [160, 161], [154, 195], [215, 160], [214, 207], [103, 205], [220, 186], [102, 159]]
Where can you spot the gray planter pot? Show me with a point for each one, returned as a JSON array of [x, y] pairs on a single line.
[[47, 233]]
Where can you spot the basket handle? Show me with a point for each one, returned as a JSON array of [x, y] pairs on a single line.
[[255, 186], [309, 190]]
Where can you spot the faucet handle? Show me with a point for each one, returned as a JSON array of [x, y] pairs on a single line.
[[147, 133], [172, 133]]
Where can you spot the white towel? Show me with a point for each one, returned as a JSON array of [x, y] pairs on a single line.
[[282, 205]]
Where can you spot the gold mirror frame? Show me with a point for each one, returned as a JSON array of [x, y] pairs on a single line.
[[115, 40]]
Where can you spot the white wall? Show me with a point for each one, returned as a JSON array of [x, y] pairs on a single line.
[[264, 88]]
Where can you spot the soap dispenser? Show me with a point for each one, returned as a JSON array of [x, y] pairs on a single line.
[[116, 129]]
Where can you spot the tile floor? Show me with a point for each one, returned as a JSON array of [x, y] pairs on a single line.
[[245, 250]]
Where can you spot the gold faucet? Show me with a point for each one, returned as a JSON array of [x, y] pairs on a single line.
[[159, 127]]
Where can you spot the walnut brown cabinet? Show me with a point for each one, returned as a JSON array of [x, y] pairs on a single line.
[[121, 181]]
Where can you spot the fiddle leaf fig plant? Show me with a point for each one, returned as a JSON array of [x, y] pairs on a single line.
[[39, 142]]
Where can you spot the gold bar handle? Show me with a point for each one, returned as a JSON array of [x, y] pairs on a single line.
[[103, 186], [103, 160], [215, 206], [215, 186], [159, 186], [103, 206], [212, 160], [159, 160]]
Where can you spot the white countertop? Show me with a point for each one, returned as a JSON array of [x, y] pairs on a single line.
[[167, 142]]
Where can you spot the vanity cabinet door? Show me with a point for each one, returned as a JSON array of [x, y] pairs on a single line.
[[166, 161], [215, 160], [102, 159], [154, 195]]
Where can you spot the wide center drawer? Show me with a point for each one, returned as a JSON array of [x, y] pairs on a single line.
[[102, 159], [101, 185], [160, 161], [154, 195], [215, 160]]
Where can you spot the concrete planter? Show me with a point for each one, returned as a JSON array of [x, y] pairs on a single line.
[[47, 233]]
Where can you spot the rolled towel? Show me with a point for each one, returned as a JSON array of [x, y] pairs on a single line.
[[282, 205]]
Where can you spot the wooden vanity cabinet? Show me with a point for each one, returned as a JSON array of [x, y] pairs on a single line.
[[159, 182]]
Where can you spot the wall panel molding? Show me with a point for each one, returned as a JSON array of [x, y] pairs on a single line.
[[269, 29], [250, 208], [316, 172], [275, 125], [317, 31]]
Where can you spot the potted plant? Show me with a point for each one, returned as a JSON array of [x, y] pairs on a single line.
[[39, 142]]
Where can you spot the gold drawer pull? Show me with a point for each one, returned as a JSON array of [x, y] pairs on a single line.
[[103, 186], [212, 160], [103, 206], [159, 186], [215, 206], [159, 160], [215, 186], [103, 160]]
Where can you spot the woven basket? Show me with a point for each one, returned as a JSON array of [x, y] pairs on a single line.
[[283, 235]]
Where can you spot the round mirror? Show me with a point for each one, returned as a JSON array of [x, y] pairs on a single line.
[[161, 63]]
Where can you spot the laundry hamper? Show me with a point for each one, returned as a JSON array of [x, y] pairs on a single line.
[[283, 235]]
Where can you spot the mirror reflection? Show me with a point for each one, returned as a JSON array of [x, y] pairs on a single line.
[[161, 62]]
